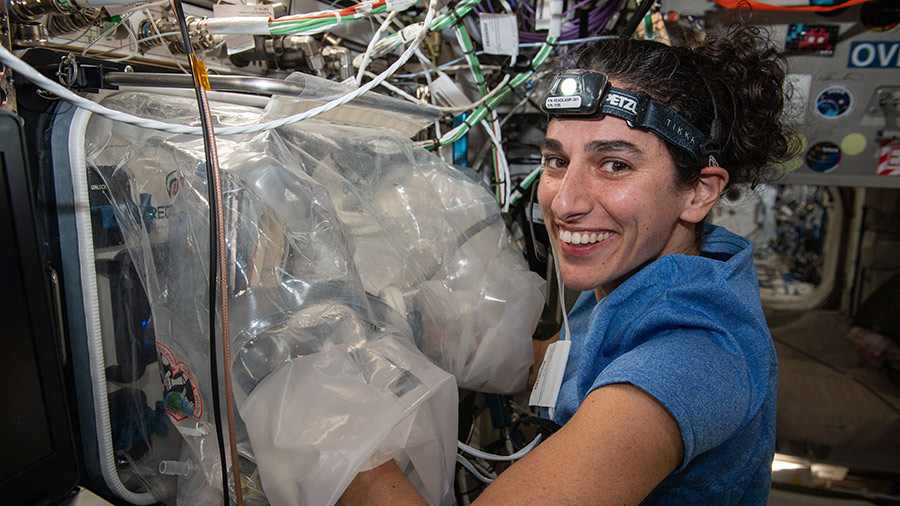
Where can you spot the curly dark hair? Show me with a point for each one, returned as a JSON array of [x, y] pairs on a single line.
[[740, 67]]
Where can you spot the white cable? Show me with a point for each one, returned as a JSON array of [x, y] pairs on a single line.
[[426, 63], [27, 71], [89, 292], [468, 465], [449, 110], [367, 56], [502, 163], [160, 35], [100, 37], [551, 411], [553, 32], [499, 458], [516, 195], [136, 45]]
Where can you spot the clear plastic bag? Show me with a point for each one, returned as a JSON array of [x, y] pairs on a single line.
[[346, 249], [431, 243]]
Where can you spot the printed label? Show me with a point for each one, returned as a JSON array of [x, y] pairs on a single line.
[[622, 102], [115, 10], [499, 34], [573, 102], [243, 11], [550, 375], [542, 15], [238, 43], [874, 54], [398, 5]]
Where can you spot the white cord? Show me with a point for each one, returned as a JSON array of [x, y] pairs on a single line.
[[468, 465], [449, 110], [160, 35], [551, 411], [499, 458], [136, 45], [502, 163], [89, 290], [426, 64], [27, 71], [367, 56]]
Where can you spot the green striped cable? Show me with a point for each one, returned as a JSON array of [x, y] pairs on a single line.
[[288, 27], [492, 103]]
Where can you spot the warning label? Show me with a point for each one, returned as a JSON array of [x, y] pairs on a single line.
[[889, 159]]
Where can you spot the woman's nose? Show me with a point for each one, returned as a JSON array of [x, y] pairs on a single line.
[[572, 197]]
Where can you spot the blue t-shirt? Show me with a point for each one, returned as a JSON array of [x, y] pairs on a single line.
[[689, 331]]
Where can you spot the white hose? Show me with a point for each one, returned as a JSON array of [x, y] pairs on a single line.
[[468, 465], [92, 312], [502, 458]]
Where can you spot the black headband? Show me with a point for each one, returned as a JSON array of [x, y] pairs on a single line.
[[588, 94]]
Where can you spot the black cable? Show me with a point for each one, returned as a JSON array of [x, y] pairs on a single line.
[[636, 18], [213, 262], [530, 215]]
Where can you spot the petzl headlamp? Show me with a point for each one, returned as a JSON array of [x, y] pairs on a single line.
[[587, 94]]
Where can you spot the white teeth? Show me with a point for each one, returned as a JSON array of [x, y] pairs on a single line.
[[582, 237]]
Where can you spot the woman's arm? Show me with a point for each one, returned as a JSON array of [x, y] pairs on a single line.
[[383, 485], [616, 448]]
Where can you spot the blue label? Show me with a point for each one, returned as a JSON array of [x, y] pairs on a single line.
[[874, 55]]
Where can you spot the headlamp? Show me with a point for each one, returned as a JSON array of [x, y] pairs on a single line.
[[587, 94]]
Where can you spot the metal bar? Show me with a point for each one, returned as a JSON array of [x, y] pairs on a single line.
[[246, 84]]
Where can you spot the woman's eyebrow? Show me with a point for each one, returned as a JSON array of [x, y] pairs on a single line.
[[603, 146], [551, 145]]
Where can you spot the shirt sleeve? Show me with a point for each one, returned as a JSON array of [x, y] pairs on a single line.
[[702, 384]]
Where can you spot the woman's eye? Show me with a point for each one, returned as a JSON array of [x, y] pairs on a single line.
[[552, 162], [615, 166]]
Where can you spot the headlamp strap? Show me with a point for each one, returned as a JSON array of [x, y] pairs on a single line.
[[641, 111]]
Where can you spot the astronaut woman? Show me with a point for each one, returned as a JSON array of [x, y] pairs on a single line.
[[669, 389]]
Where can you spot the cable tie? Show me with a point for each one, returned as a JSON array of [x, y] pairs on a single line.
[[456, 17], [337, 16]]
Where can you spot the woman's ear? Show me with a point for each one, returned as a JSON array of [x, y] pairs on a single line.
[[705, 193]]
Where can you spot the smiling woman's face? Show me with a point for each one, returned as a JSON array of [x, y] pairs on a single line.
[[610, 202]]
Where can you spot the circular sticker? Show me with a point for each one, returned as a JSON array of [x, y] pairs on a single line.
[[854, 144], [880, 16], [835, 101], [823, 157]]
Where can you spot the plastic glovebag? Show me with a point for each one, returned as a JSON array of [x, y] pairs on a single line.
[[370, 110], [432, 244], [307, 341]]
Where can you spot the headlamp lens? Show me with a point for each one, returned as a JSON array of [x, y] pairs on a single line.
[[569, 86]]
